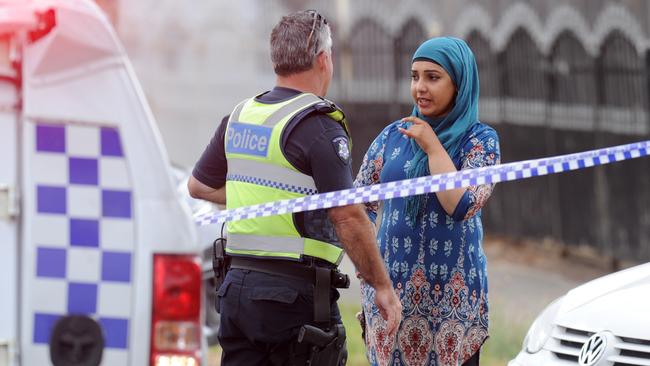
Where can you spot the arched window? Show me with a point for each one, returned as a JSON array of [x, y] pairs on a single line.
[[409, 38], [372, 63], [525, 81], [623, 97], [624, 89], [573, 91], [573, 98], [488, 72]]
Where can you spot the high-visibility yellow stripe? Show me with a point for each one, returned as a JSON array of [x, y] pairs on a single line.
[[259, 253], [323, 250]]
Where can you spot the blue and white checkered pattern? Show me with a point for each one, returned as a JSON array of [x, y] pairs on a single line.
[[436, 183], [272, 184], [82, 233]]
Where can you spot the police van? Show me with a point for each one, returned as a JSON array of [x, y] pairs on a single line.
[[99, 260]]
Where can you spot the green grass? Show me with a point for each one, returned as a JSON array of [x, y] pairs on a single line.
[[355, 344], [506, 335]]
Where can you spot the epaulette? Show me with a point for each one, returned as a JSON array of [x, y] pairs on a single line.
[[334, 112]]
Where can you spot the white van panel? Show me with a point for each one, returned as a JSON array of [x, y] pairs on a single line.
[[104, 88], [79, 235], [76, 92], [8, 223]]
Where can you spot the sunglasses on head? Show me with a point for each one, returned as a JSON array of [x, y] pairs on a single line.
[[317, 19]]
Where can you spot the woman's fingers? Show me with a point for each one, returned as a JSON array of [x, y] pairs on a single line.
[[414, 120], [421, 132], [414, 130], [408, 133]]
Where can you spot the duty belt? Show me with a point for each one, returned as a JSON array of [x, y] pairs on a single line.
[[323, 278]]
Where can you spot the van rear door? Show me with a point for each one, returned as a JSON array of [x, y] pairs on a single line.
[[78, 252], [100, 213], [8, 208]]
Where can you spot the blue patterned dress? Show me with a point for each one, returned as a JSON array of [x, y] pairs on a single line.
[[437, 265]]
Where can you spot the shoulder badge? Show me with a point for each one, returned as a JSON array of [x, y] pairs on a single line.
[[342, 148]]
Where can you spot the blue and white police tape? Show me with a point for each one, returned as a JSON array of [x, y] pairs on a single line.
[[435, 183]]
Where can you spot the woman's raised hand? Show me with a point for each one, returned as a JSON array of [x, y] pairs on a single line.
[[423, 134]]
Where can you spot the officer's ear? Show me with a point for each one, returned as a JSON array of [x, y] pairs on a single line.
[[322, 59]]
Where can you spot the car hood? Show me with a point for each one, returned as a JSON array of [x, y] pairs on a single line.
[[619, 302]]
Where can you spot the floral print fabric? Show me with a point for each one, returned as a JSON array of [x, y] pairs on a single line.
[[437, 265]]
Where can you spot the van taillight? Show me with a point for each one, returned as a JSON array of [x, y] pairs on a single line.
[[175, 326], [46, 22]]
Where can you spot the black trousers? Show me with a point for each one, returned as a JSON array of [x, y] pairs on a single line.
[[261, 315]]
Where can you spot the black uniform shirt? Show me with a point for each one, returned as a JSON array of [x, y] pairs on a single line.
[[311, 142]]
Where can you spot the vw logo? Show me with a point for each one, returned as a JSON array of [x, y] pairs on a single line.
[[592, 350]]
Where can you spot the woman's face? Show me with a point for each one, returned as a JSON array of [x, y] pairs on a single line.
[[432, 89]]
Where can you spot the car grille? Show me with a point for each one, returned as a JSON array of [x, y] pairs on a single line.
[[565, 344]]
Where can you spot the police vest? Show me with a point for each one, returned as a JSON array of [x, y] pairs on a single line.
[[258, 172]]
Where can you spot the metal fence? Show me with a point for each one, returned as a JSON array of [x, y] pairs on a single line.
[[564, 101]]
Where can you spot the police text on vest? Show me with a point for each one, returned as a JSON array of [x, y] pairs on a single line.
[[246, 138]]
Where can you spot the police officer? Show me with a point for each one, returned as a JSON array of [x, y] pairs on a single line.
[[286, 143]]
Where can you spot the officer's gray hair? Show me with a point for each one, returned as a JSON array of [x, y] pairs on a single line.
[[290, 42]]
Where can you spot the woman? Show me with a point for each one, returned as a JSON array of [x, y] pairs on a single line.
[[431, 244]]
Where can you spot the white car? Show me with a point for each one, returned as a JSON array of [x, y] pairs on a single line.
[[605, 322]]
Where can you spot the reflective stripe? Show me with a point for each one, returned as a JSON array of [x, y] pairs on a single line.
[[255, 253], [282, 246], [234, 116], [295, 105], [270, 172], [323, 250], [266, 243], [270, 184]]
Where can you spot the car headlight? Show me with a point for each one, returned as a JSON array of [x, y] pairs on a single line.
[[542, 327]]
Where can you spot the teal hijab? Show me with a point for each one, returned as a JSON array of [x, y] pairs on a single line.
[[457, 59]]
